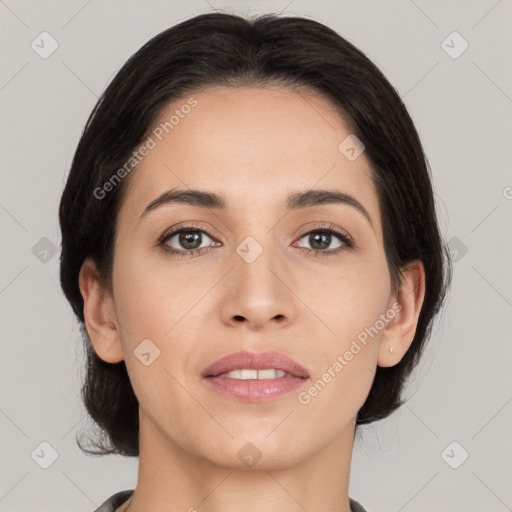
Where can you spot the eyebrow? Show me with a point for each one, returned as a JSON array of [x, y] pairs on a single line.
[[295, 201]]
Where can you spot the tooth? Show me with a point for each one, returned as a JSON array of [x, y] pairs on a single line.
[[267, 374], [248, 374]]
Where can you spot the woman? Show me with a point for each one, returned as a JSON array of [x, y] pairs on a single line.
[[250, 245]]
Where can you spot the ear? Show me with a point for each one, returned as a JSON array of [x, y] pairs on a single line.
[[407, 304], [99, 314]]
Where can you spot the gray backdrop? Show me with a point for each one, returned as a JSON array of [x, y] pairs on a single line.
[[449, 448]]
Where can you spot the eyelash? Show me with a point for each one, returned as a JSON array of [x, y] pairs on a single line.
[[324, 229]]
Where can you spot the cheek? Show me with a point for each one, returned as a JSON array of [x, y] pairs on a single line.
[[152, 309], [347, 357], [150, 299], [357, 297], [354, 308], [155, 304]]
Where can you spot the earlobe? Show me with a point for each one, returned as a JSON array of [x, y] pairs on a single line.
[[99, 314], [399, 333]]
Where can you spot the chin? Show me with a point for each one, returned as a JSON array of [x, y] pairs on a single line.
[[255, 452]]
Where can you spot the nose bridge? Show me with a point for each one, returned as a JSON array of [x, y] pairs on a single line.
[[259, 295], [256, 255], [258, 248]]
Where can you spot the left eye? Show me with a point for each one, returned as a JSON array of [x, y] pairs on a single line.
[[322, 239]]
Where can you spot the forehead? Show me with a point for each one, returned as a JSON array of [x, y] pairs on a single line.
[[253, 145]]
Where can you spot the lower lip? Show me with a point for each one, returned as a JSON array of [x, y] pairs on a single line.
[[255, 390]]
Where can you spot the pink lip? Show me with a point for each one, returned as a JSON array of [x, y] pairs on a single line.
[[255, 361], [255, 390]]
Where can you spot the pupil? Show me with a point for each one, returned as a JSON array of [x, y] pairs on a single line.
[[325, 237], [188, 237]]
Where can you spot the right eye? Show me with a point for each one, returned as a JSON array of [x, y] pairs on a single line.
[[189, 238]]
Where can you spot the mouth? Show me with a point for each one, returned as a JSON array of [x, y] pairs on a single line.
[[252, 377], [249, 374], [247, 365]]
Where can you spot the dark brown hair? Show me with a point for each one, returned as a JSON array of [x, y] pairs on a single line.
[[228, 49]]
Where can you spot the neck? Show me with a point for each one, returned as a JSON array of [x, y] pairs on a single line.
[[171, 475]]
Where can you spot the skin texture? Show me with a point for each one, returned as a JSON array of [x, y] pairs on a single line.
[[254, 146]]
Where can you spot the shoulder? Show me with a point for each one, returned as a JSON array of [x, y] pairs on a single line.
[[115, 501], [356, 506]]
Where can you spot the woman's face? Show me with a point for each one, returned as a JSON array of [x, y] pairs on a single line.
[[253, 282]]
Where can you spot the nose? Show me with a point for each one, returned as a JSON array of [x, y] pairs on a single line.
[[256, 294]]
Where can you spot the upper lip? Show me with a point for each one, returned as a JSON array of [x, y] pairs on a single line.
[[255, 361]]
